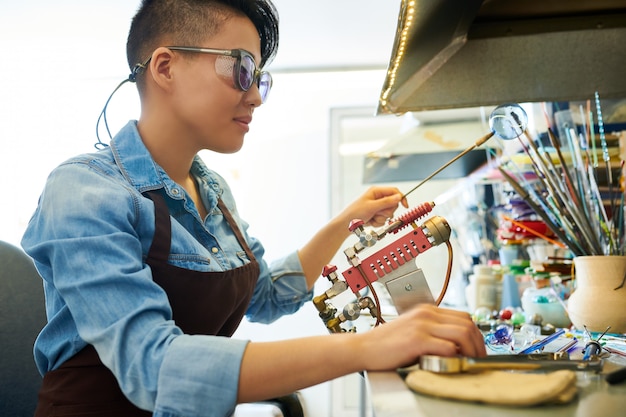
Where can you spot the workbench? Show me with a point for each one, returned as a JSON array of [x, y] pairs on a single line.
[[390, 397]]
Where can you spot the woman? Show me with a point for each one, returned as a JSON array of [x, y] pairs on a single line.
[[148, 268]]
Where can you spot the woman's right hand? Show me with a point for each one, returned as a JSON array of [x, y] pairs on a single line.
[[423, 330]]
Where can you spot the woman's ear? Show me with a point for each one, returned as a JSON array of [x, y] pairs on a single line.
[[160, 67]]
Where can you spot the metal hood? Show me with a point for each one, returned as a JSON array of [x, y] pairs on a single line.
[[468, 53]]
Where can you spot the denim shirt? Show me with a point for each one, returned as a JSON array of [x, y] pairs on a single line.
[[89, 238]]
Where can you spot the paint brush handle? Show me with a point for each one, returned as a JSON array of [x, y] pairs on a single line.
[[547, 220]]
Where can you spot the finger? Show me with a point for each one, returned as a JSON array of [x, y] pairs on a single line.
[[474, 335], [378, 220], [460, 314], [380, 192], [468, 338], [481, 349], [386, 213], [451, 340], [458, 327]]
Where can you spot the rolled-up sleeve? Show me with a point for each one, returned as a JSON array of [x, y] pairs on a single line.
[[281, 290], [191, 385]]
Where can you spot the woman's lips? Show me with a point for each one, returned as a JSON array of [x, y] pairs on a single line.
[[244, 122]]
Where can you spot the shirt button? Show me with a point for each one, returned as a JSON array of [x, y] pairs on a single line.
[[175, 191], [215, 250]]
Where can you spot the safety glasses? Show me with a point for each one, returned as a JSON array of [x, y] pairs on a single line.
[[243, 71]]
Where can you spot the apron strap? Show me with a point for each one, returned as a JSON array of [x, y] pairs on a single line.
[[161, 242], [235, 229]]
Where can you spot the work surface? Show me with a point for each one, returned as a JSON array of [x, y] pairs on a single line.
[[392, 398]]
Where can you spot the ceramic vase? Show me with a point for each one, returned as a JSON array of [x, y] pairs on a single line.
[[595, 303]]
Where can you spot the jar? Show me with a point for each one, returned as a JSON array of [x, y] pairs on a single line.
[[544, 301], [482, 289]]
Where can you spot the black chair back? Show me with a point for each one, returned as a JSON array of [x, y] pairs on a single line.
[[22, 315]]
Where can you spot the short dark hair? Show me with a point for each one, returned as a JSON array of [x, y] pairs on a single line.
[[188, 22]]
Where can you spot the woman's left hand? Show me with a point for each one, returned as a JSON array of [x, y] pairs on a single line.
[[375, 206]]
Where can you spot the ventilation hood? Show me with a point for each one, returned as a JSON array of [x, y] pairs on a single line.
[[469, 53]]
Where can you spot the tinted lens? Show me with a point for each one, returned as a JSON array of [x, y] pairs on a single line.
[[265, 84], [247, 68]]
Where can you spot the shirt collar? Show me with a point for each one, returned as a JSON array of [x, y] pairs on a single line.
[[134, 159], [139, 168]]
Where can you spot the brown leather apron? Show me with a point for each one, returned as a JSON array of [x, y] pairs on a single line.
[[211, 303]]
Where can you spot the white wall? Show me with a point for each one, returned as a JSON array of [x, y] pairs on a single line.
[[59, 64]]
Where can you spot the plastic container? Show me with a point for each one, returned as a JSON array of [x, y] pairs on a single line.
[[510, 292], [544, 302], [482, 289]]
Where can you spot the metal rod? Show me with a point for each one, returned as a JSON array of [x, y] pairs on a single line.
[[459, 156]]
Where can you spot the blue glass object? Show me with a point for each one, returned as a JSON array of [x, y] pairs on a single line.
[[501, 339]]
